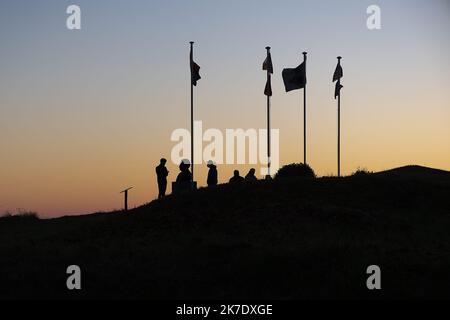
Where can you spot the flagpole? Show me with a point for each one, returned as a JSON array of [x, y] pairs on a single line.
[[339, 127], [304, 113], [268, 123], [339, 136], [192, 116]]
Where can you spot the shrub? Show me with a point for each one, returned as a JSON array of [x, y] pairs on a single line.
[[361, 172], [295, 170]]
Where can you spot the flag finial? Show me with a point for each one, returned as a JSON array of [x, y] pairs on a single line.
[[339, 57], [267, 48]]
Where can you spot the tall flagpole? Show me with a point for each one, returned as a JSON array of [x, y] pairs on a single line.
[[268, 122], [304, 113], [192, 114], [339, 127]]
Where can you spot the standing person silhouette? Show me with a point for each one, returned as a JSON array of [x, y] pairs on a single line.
[[212, 174], [161, 174]]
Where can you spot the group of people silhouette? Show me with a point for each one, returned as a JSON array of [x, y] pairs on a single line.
[[184, 178]]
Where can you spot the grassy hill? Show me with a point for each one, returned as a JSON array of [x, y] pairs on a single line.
[[283, 239]]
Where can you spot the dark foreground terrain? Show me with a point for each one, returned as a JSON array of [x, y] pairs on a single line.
[[284, 239]]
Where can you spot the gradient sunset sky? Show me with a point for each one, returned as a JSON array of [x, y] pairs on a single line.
[[84, 114]]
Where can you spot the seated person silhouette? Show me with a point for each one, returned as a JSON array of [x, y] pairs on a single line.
[[185, 175], [184, 178], [236, 178], [212, 174], [251, 175]]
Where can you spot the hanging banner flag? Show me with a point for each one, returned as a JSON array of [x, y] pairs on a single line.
[[294, 78], [338, 74], [195, 70], [337, 89]]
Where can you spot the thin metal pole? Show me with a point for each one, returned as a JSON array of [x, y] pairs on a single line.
[[268, 122], [126, 200], [339, 136], [339, 124], [192, 115], [268, 132], [304, 114], [304, 125]]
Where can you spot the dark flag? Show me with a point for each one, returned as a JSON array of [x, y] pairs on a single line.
[[337, 90], [195, 70], [268, 88], [338, 72], [294, 78], [267, 64]]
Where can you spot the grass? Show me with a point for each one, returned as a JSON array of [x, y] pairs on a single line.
[[20, 215], [279, 239]]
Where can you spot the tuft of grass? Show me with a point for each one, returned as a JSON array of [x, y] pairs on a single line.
[[20, 214]]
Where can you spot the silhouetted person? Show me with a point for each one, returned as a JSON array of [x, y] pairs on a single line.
[[185, 175], [251, 175], [236, 177], [212, 174], [184, 179], [161, 174]]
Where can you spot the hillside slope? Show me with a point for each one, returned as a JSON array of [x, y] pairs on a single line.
[[414, 171], [295, 238]]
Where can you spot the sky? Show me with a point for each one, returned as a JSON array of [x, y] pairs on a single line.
[[86, 113]]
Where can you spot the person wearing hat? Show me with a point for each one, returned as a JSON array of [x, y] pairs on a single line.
[[212, 174], [185, 175]]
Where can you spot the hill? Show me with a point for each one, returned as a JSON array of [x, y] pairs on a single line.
[[282, 239], [413, 171]]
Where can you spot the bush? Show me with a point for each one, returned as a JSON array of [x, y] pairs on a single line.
[[361, 172], [295, 170]]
